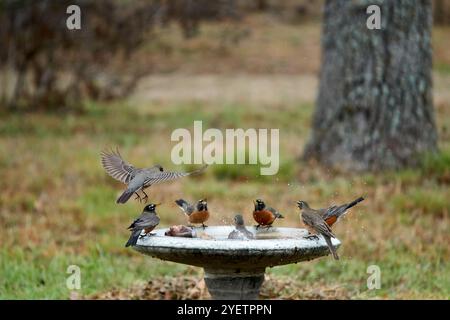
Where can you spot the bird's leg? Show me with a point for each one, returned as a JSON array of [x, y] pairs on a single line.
[[146, 235], [145, 196], [257, 226], [312, 236], [204, 226], [137, 197]]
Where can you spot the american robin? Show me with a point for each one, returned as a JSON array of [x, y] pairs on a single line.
[[334, 213], [196, 214], [317, 225], [265, 215], [241, 232], [147, 221], [180, 231], [137, 179]]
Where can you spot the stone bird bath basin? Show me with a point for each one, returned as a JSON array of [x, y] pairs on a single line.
[[234, 269]]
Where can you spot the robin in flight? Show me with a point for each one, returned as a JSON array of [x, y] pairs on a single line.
[[265, 215], [137, 179], [334, 213], [147, 221], [241, 232], [317, 225], [196, 214]]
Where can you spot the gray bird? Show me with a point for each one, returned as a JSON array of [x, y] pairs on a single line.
[[241, 232], [147, 221], [137, 179], [317, 225], [333, 214]]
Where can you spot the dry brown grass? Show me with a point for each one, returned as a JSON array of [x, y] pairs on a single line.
[[259, 44], [57, 205], [184, 287]]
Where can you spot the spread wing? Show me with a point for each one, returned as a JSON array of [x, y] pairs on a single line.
[[185, 206], [116, 167], [161, 176]]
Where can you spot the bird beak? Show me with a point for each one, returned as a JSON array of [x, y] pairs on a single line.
[[158, 204]]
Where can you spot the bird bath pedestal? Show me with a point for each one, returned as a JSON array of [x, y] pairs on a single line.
[[234, 269]]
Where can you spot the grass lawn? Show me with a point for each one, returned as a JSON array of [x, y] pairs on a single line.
[[57, 206]]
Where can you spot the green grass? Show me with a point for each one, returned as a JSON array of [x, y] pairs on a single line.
[[57, 206], [253, 172], [430, 201], [31, 275], [437, 164], [401, 276], [442, 68]]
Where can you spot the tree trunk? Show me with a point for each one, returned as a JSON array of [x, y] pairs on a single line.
[[374, 109]]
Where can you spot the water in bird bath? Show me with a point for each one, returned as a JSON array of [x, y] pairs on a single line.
[[261, 233]]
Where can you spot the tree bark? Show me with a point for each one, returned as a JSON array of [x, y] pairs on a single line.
[[374, 109]]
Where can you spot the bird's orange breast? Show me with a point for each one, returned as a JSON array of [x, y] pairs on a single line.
[[199, 216], [263, 217]]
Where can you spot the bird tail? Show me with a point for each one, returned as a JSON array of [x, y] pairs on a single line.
[[354, 203], [133, 238], [183, 204], [341, 210], [332, 249], [125, 196], [279, 215]]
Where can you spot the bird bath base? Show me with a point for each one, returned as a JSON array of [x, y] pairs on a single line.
[[234, 269], [234, 284]]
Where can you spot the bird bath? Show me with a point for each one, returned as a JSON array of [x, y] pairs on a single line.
[[234, 269]]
